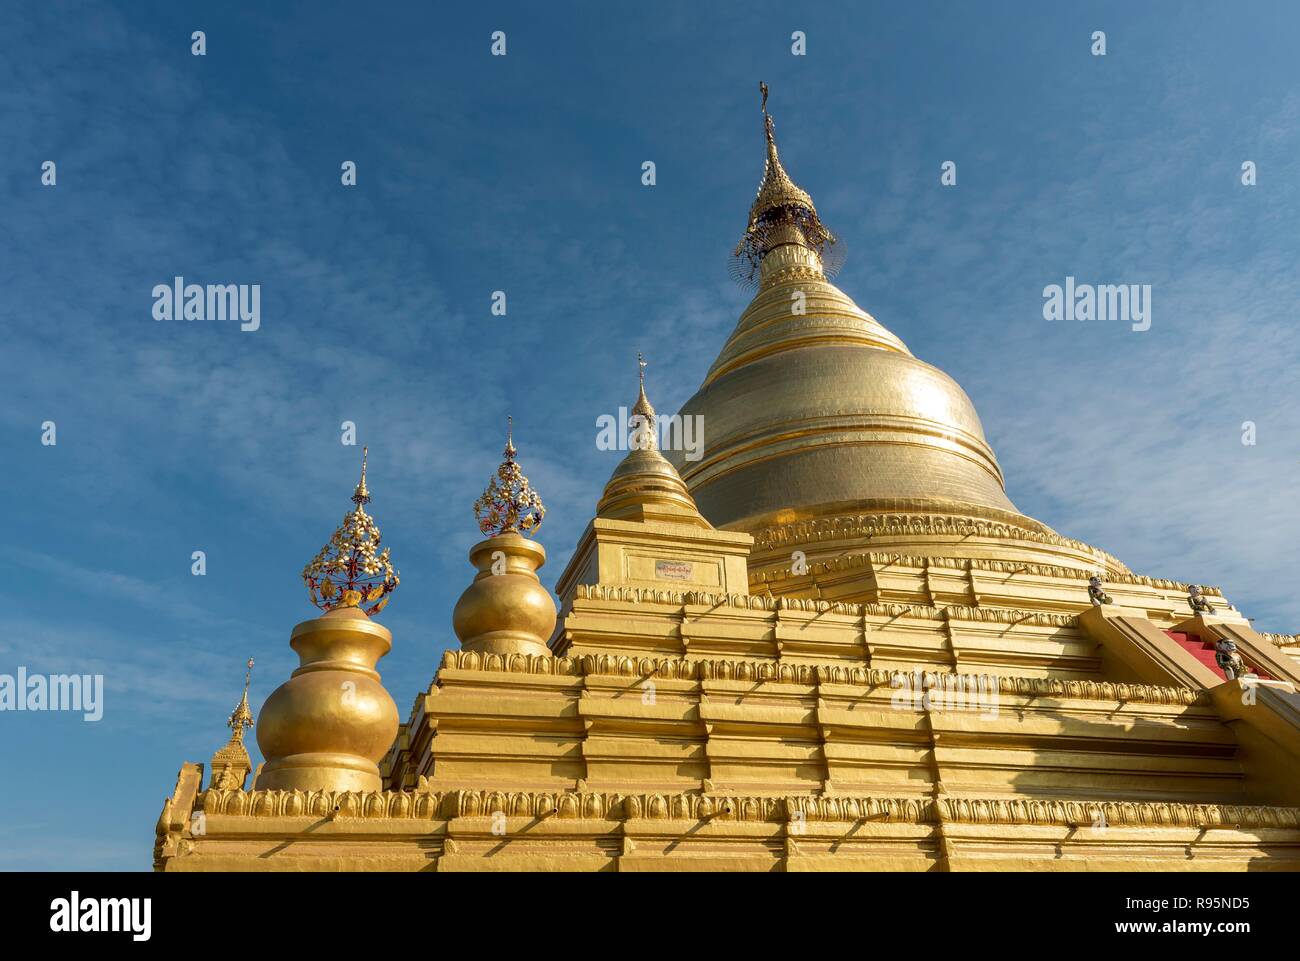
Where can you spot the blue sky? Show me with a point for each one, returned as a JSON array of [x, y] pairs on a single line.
[[523, 173]]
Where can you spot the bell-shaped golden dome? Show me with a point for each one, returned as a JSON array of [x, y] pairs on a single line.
[[825, 411], [814, 412], [645, 486]]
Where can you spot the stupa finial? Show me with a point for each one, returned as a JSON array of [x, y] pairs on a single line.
[[351, 571], [230, 764], [644, 438], [769, 127], [361, 496], [242, 717], [508, 503], [782, 212]]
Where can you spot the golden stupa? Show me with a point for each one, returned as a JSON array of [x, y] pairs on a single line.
[[831, 642]]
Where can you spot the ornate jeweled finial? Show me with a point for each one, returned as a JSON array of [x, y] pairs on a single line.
[[361, 496], [643, 421], [350, 571], [241, 717], [508, 503], [782, 213]]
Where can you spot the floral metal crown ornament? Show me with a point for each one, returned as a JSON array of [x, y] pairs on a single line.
[[509, 504], [351, 571]]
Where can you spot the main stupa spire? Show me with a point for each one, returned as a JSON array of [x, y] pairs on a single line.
[[782, 213]]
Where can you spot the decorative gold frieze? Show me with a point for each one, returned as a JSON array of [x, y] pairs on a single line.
[[838, 809], [850, 562], [1141, 814], [513, 663], [324, 804], [791, 274], [647, 595], [765, 602], [868, 525], [614, 665]]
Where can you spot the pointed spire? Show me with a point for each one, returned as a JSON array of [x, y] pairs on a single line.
[[782, 212], [242, 717], [643, 403], [361, 496], [508, 504], [645, 436], [777, 190], [351, 571], [230, 764]]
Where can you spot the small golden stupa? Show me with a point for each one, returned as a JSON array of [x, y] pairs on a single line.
[[831, 642], [231, 764]]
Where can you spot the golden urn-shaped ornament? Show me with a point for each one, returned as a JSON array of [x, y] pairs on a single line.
[[506, 610], [326, 728]]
